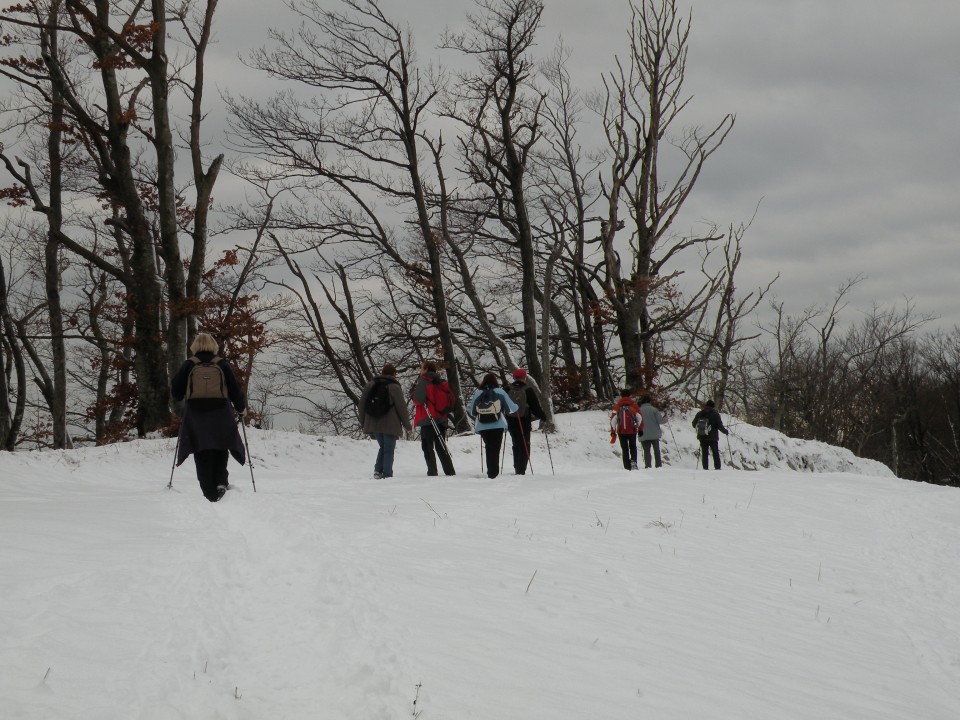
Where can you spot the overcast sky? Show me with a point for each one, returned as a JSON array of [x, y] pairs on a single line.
[[847, 131]]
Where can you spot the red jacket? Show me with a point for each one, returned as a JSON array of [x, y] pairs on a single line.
[[431, 393]]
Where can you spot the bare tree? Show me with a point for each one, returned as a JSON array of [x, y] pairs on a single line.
[[641, 107], [500, 109], [13, 373], [717, 334], [562, 169], [361, 138], [826, 381], [96, 118]]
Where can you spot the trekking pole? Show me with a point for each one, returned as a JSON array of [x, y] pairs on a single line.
[[481, 454], [438, 434], [526, 446], [673, 439], [729, 451], [247, 446], [176, 451], [546, 437]]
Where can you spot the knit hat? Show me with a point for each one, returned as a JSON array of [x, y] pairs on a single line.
[[519, 374]]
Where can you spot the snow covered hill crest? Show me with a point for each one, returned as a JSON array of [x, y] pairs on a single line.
[[578, 591]]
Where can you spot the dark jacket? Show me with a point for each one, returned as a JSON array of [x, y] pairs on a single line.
[[209, 424], [534, 409], [716, 423], [397, 418]]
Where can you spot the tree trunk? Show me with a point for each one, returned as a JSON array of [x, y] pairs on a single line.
[[58, 395], [10, 420]]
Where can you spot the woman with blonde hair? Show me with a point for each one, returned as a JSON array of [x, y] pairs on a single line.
[[208, 423]]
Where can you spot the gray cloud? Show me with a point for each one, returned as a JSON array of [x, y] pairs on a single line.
[[847, 116]]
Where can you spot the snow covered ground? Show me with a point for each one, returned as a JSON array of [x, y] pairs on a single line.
[[813, 585]]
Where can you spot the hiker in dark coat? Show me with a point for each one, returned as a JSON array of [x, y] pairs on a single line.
[[490, 428], [208, 426], [519, 425], [389, 426], [433, 402], [709, 419], [652, 432]]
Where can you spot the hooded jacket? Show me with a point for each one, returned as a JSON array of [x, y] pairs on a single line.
[[396, 419]]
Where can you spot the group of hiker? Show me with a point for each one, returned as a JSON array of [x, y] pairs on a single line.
[[214, 401], [383, 414], [495, 410], [628, 421]]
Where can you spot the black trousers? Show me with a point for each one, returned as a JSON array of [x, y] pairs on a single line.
[[708, 445], [211, 471], [492, 442], [628, 450], [520, 437], [434, 446]]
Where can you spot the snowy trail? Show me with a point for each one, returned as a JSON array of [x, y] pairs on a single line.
[[589, 593]]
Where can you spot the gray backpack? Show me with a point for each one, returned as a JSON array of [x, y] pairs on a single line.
[[704, 428], [518, 393], [206, 380]]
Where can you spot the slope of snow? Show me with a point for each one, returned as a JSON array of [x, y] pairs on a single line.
[[582, 592]]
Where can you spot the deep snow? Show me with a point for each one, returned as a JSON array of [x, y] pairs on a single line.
[[824, 591]]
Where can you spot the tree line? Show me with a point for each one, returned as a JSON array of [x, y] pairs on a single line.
[[487, 214]]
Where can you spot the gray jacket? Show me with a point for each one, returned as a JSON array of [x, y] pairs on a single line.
[[652, 418], [397, 418]]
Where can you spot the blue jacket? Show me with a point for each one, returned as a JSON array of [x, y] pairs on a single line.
[[506, 405]]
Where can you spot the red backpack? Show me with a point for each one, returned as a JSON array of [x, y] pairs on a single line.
[[626, 421], [439, 399]]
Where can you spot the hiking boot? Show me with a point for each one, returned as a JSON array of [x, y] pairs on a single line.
[[377, 475], [633, 466], [221, 491]]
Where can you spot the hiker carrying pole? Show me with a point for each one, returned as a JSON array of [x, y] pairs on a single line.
[[523, 392], [212, 398], [488, 406], [708, 425], [432, 401]]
